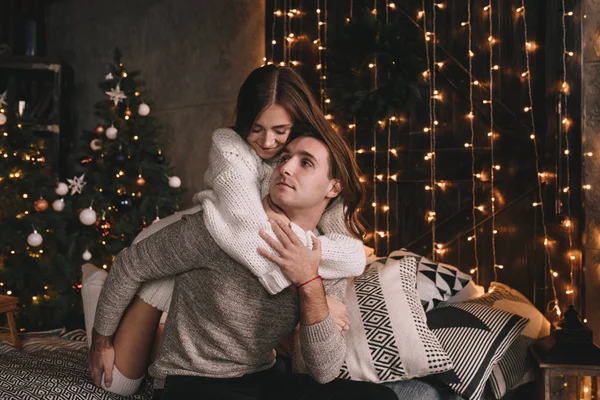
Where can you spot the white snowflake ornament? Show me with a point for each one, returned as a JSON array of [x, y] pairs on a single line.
[[116, 94], [76, 184]]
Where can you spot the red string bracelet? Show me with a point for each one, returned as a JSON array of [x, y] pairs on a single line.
[[309, 281]]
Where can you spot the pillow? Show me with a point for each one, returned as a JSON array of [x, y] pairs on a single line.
[[388, 338], [436, 282], [469, 292], [476, 337], [515, 368]]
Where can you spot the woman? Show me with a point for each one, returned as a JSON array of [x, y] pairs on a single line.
[[270, 102]]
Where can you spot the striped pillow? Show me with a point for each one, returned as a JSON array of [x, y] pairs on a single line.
[[515, 368], [476, 337]]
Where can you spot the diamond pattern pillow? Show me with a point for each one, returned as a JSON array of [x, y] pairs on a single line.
[[476, 337], [515, 367], [436, 282], [388, 338]]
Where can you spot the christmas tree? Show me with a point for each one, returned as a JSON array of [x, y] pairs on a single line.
[[33, 238], [122, 182]]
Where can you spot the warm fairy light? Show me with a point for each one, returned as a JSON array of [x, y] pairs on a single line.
[[565, 190], [470, 115], [496, 67], [382, 233], [440, 5], [532, 136], [520, 9], [524, 74], [487, 102], [569, 291], [480, 208], [495, 231], [394, 152], [360, 151], [374, 204], [385, 208], [470, 238], [440, 64], [497, 167], [476, 83], [9, 292], [464, 23], [420, 14], [526, 109], [380, 177], [567, 152], [587, 187], [486, 8], [394, 177], [328, 116], [351, 126], [589, 154], [473, 270], [392, 5], [427, 187], [565, 87], [536, 204], [425, 74], [25, 195], [373, 148], [499, 266], [567, 223], [371, 65], [545, 242], [278, 13], [426, 129], [569, 53], [467, 145]]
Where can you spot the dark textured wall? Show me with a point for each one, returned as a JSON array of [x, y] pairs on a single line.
[[591, 142], [193, 56]]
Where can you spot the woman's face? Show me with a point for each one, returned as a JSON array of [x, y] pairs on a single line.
[[270, 131]]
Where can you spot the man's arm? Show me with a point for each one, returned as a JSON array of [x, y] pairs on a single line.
[[323, 346]]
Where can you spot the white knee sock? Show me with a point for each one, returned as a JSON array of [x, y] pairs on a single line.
[[122, 385], [92, 282]]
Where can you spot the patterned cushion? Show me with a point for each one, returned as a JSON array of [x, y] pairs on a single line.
[[437, 282], [52, 365], [389, 339], [516, 363], [476, 337]]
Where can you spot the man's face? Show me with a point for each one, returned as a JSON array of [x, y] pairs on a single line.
[[301, 179]]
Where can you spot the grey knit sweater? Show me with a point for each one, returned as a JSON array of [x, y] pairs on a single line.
[[222, 323]]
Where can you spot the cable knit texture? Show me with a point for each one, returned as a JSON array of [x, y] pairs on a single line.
[[221, 324], [237, 180]]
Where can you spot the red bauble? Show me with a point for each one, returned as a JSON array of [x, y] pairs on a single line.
[[103, 227], [140, 181], [99, 129], [40, 205]]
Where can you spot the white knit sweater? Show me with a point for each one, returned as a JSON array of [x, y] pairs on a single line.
[[236, 181]]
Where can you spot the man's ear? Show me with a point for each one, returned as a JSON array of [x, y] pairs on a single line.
[[335, 188]]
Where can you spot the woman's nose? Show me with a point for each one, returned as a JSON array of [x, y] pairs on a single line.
[[268, 139]]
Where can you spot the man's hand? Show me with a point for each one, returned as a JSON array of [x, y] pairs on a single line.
[[298, 263], [339, 313], [101, 358]]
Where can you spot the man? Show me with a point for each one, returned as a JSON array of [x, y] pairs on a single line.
[[223, 326]]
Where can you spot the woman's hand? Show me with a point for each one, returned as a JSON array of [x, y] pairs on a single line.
[[101, 358], [298, 263], [339, 313]]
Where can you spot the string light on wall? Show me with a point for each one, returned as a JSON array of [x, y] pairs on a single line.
[[493, 67], [471, 117], [541, 176]]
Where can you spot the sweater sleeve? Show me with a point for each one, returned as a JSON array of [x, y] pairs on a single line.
[[233, 208], [177, 248], [322, 346], [342, 255]]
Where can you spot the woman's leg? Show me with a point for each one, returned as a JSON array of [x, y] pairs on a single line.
[[134, 338]]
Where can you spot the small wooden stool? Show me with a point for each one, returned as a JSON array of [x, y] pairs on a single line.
[[8, 305]]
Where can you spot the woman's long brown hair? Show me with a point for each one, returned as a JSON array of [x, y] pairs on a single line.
[[269, 85]]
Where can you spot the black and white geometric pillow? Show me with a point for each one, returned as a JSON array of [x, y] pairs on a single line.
[[436, 282], [476, 337], [516, 366], [53, 366], [389, 339]]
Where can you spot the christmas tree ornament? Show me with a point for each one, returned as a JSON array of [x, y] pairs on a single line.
[[116, 95], [58, 205], [156, 219], [3, 99], [76, 184], [41, 205], [111, 132], [85, 160], [144, 109], [160, 158], [174, 182], [128, 113], [109, 77], [96, 144], [140, 181], [99, 129], [2, 119], [87, 256], [34, 239], [87, 216], [120, 158], [103, 227], [61, 189], [124, 203]]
